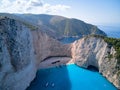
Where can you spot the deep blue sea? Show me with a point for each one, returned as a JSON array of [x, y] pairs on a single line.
[[70, 77], [111, 31]]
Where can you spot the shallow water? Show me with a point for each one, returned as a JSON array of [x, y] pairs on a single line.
[[70, 77]]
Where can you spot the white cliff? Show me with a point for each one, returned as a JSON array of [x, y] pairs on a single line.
[[47, 47], [22, 51], [17, 67], [94, 51]]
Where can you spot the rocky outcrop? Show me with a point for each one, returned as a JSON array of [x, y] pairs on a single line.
[[21, 52], [95, 51], [46, 47], [17, 67]]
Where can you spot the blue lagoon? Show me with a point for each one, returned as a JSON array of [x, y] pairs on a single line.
[[70, 77]]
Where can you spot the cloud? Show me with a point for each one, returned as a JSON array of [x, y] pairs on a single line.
[[36, 3], [31, 6]]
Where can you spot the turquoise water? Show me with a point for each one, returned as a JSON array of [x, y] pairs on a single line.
[[70, 77]]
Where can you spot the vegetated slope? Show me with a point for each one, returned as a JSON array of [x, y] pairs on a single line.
[[63, 26], [58, 26]]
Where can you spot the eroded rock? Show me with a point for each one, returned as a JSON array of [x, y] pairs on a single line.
[[94, 51], [21, 52]]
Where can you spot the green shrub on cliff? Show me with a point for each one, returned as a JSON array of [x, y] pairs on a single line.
[[116, 44], [112, 42], [32, 27]]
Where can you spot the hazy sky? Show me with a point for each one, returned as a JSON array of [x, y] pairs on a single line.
[[92, 11]]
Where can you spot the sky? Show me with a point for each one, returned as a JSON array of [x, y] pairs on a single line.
[[91, 11]]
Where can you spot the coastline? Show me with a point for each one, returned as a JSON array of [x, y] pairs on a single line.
[[55, 62]]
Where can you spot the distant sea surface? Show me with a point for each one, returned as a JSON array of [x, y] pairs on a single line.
[[111, 31]]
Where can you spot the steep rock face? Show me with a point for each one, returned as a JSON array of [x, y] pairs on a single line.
[[17, 67], [94, 51], [46, 47], [21, 52]]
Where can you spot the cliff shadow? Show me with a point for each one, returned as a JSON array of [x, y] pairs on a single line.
[[93, 68], [56, 78]]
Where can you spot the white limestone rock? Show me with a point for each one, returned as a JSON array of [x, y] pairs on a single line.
[[94, 51], [17, 61]]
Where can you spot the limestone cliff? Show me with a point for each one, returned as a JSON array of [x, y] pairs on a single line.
[[95, 51], [21, 51], [47, 47], [17, 67]]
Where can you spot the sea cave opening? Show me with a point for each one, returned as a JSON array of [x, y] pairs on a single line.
[[93, 68]]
